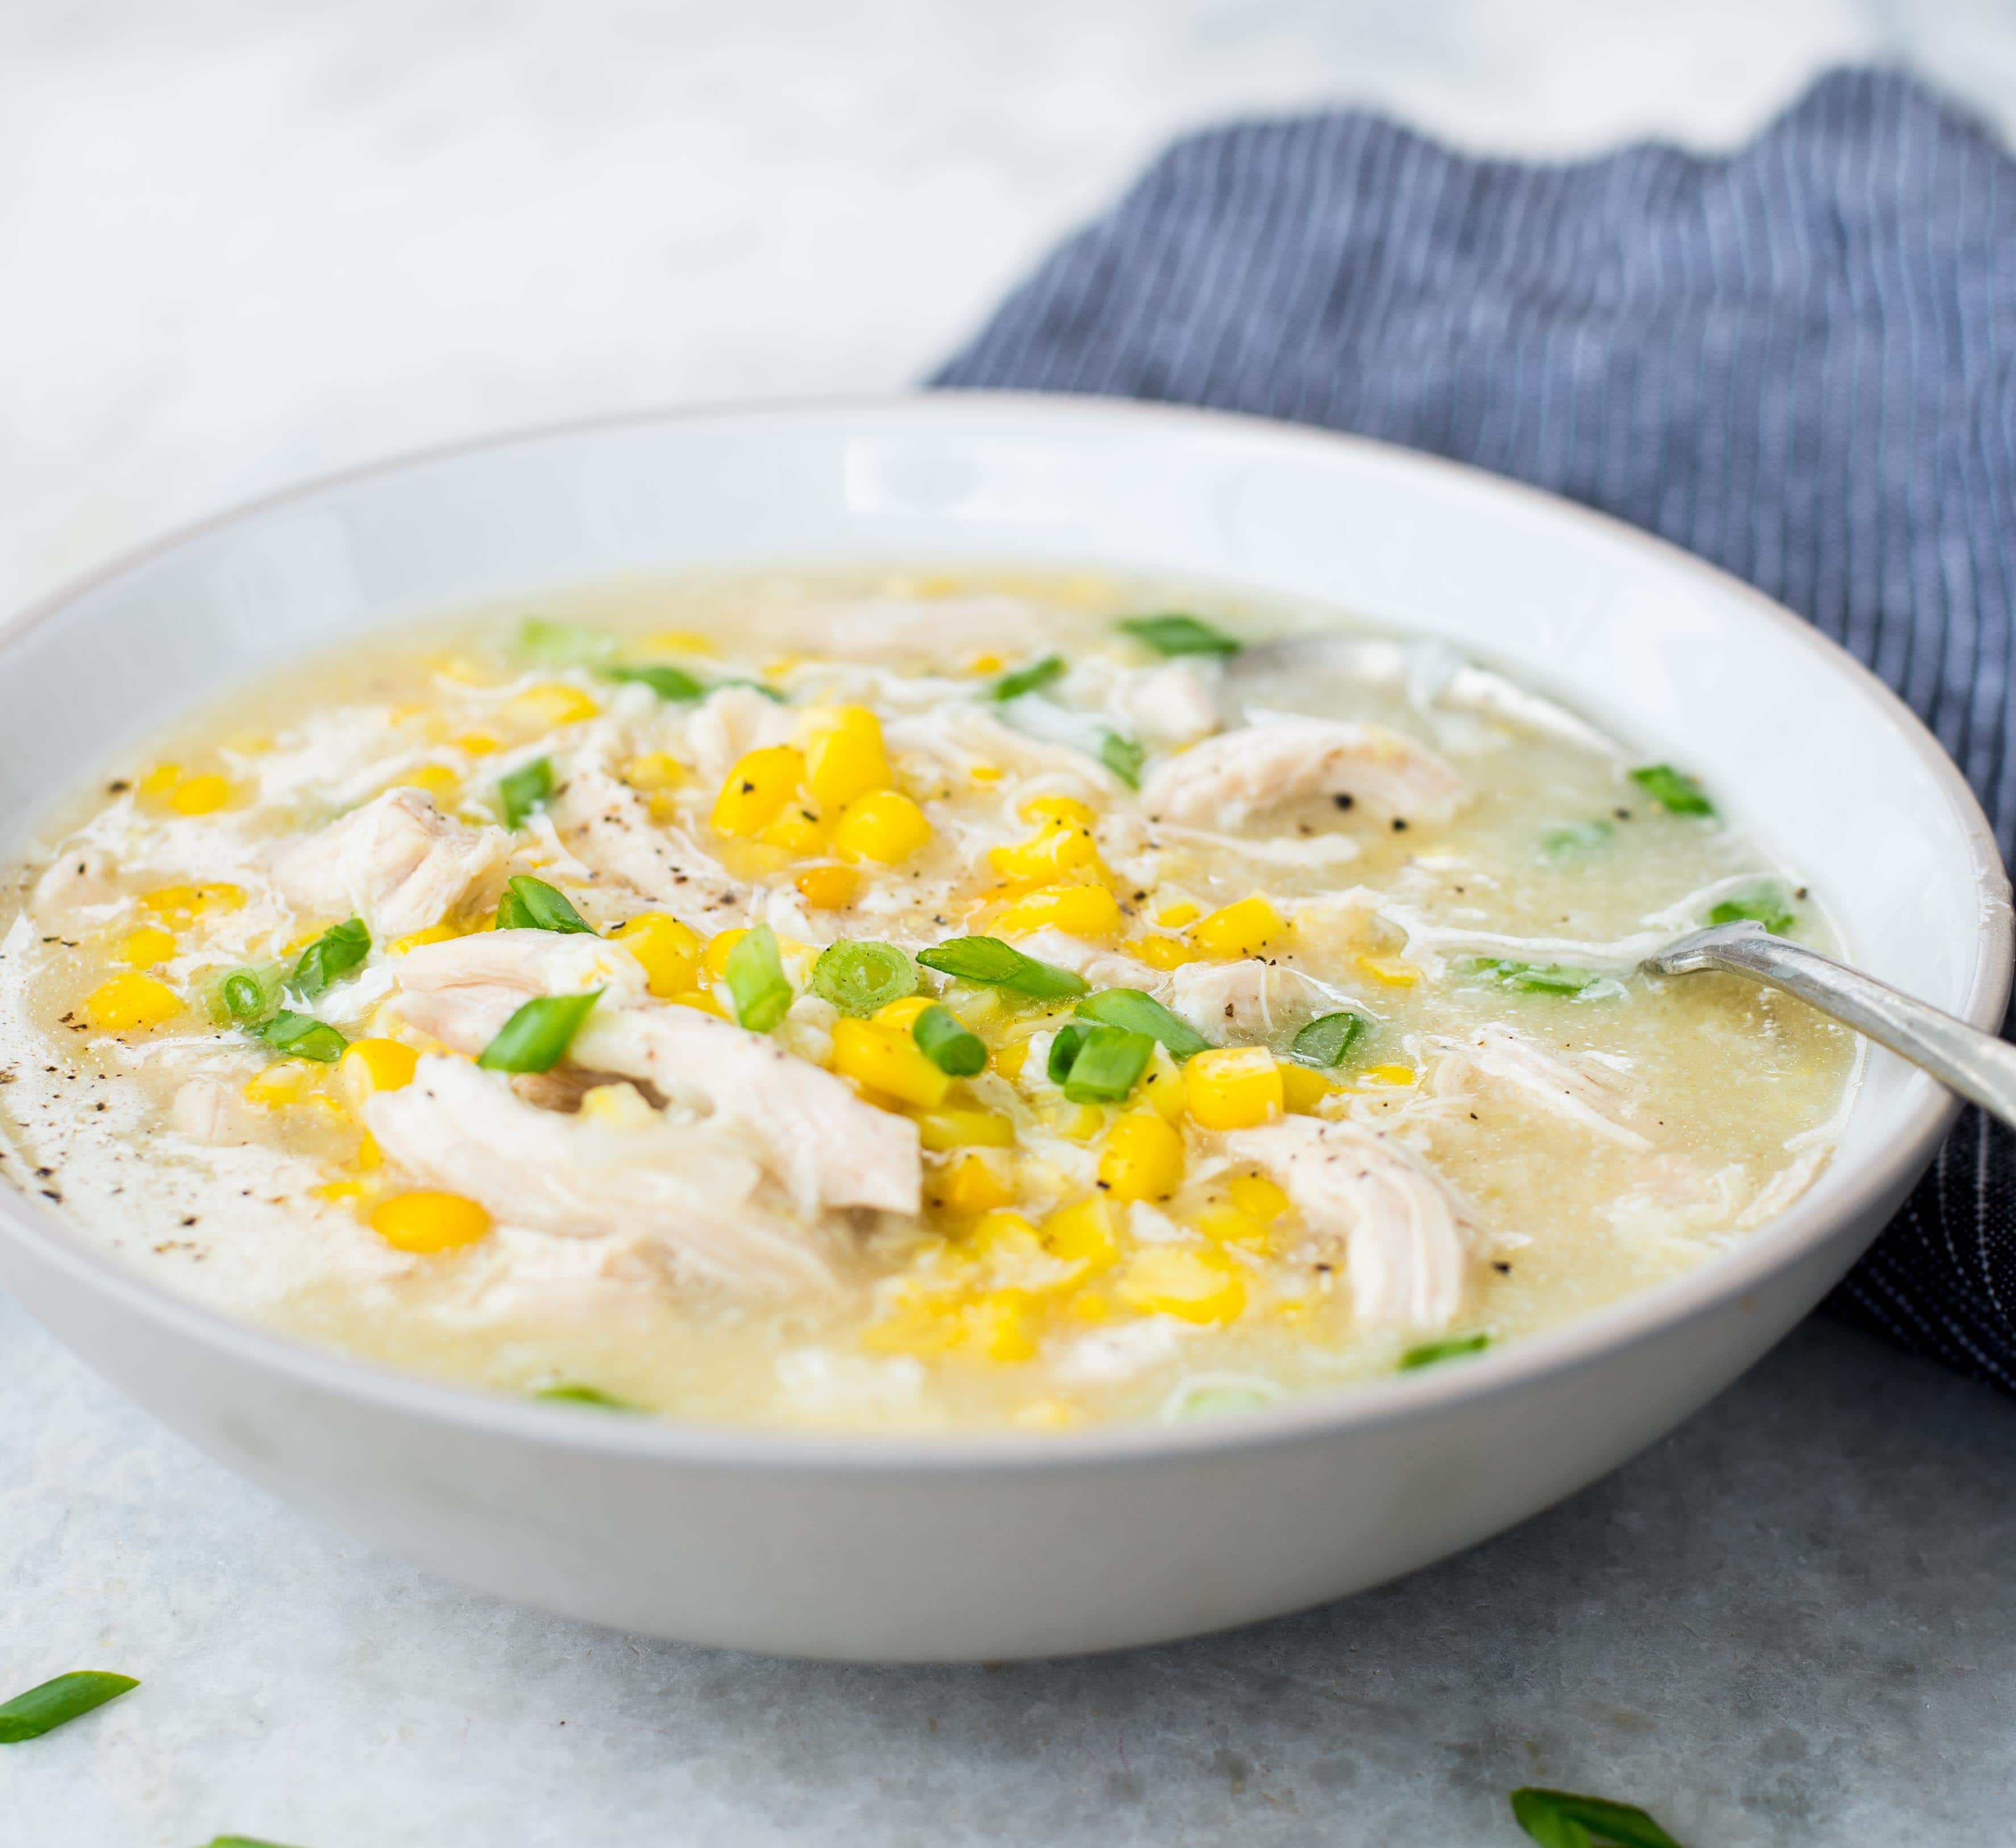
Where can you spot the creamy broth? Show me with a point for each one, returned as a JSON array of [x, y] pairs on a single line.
[[1302, 1039]]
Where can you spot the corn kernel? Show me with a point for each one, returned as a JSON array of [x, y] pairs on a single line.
[[1142, 1159], [1174, 917], [478, 744], [285, 1082], [668, 950], [985, 773], [903, 1014], [337, 1190], [179, 904], [1090, 1306], [1233, 1088], [617, 1106], [130, 1002], [884, 824], [147, 946], [1198, 1286], [1048, 1414], [757, 788], [675, 642], [1391, 1074], [160, 779], [1087, 911], [1083, 1233], [827, 888], [1257, 1197], [654, 771], [701, 999], [974, 1184], [796, 829], [845, 757], [1162, 1086], [427, 1221], [439, 782], [1001, 1326], [372, 1065], [1050, 807], [1302, 1089], [1076, 1122], [1164, 953], [199, 796], [370, 1157], [560, 704], [1009, 1060], [714, 958], [1059, 847], [916, 1323], [1227, 1225], [1244, 929], [887, 1062], [997, 1235], [986, 662], [965, 1129], [1395, 972]]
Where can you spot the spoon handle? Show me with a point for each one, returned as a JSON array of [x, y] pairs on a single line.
[[1979, 1066]]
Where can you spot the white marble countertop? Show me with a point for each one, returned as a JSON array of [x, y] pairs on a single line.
[[248, 241]]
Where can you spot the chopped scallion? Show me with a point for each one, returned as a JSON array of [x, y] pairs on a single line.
[[1001, 965], [532, 905], [1429, 1352], [1763, 903], [1064, 1048], [1573, 840], [569, 1393], [756, 980], [1534, 978], [1142, 1013], [526, 791], [247, 996], [670, 683], [859, 977], [1673, 790], [1327, 1040], [948, 1043], [1027, 680], [1176, 634], [544, 643], [302, 1036], [1561, 1819], [331, 956], [1108, 1066], [54, 1703], [242, 1842], [1124, 756], [754, 686], [536, 1037]]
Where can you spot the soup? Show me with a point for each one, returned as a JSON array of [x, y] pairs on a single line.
[[877, 1000]]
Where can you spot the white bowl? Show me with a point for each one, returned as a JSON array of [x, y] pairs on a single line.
[[1008, 1546]]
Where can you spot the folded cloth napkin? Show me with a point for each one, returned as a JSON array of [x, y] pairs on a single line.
[[1798, 361]]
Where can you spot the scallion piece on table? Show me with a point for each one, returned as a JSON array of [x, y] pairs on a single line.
[[570, 1393], [1763, 903], [667, 682], [1429, 1352], [988, 959], [1065, 1047], [1142, 1013], [1571, 840], [247, 997], [526, 791], [756, 980], [56, 1703], [1124, 756], [544, 643], [1177, 635], [332, 956], [532, 905], [859, 977], [1108, 1066], [302, 1036], [948, 1043], [1027, 680], [1327, 1040], [1673, 790], [1534, 978], [1561, 1819], [536, 1037]]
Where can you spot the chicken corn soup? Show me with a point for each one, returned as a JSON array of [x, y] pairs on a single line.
[[862, 1001]]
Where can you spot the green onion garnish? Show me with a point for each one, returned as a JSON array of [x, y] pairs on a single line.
[[859, 977], [756, 980], [546, 644], [1027, 680], [247, 997], [535, 1038], [948, 1043], [1534, 978], [1764, 903], [1000, 965], [668, 683], [1174, 634], [1123, 756], [532, 905], [56, 1703], [1429, 1352], [1142, 1013], [528, 790], [1561, 1819], [1572, 840], [242, 1842], [1064, 1050], [1677, 793], [302, 1036], [331, 956], [569, 1392], [754, 686], [1327, 1040], [1108, 1065]]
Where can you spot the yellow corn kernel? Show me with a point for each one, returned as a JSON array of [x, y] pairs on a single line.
[[1227, 1225], [1390, 1074], [324, 1107], [827, 888], [1142, 1159], [370, 1157], [757, 788], [714, 958], [1057, 847], [1395, 972], [1048, 1414], [1161, 952], [984, 663], [887, 1062], [885, 824], [965, 1129], [199, 796], [160, 779], [845, 757], [654, 771], [668, 950], [617, 1106], [438, 781], [560, 704], [1083, 1233], [477, 744], [675, 642], [372, 1065], [1257, 1197], [132, 1000], [1302, 1089], [1174, 917], [985, 773], [1090, 1306], [1087, 911], [1076, 1123], [915, 1322], [1244, 929], [997, 1235], [1009, 1060], [1199, 1286], [285, 1082], [1001, 1326], [147, 946], [182, 903], [796, 829], [1233, 1088], [972, 1184], [706, 1002], [337, 1190], [1050, 807], [429, 1221], [1162, 1086], [417, 939], [903, 1014]]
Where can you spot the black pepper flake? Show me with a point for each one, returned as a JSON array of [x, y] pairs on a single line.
[[50, 1193], [1623, 815], [1399, 826], [118, 786], [189, 1219], [1343, 801], [1504, 1270]]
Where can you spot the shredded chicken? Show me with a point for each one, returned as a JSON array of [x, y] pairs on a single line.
[[1590, 1098], [606, 825], [1103, 968], [213, 1112], [1284, 757], [462, 992], [1252, 998], [397, 863], [1169, 706], [731, 722]]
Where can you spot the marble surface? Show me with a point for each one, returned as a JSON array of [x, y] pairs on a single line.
[[247, 241]]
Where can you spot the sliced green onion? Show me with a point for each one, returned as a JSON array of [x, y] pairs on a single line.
[[331, 956], [1175, 635], [1429, 1352], [1124, 756], [1327, 1040], [668, 683], [247, 997], [1026, 680], [859, 977], [544, 643], [1572, 840], [1001, 965], [536, 1038], [528, 790], [570, 1393], [1561, 1819], [754, 686], [1108, 1065], [56, 1703], [754, 973], [302, 1036], [948, 1043], [1210, 1399], [1674, 791], [532, 905], [1064, 1049], [1534, 978], [1764, 903], [242, 1842], [1142, 1013]]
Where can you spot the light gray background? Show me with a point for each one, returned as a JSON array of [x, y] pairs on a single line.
[[245, 242]]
